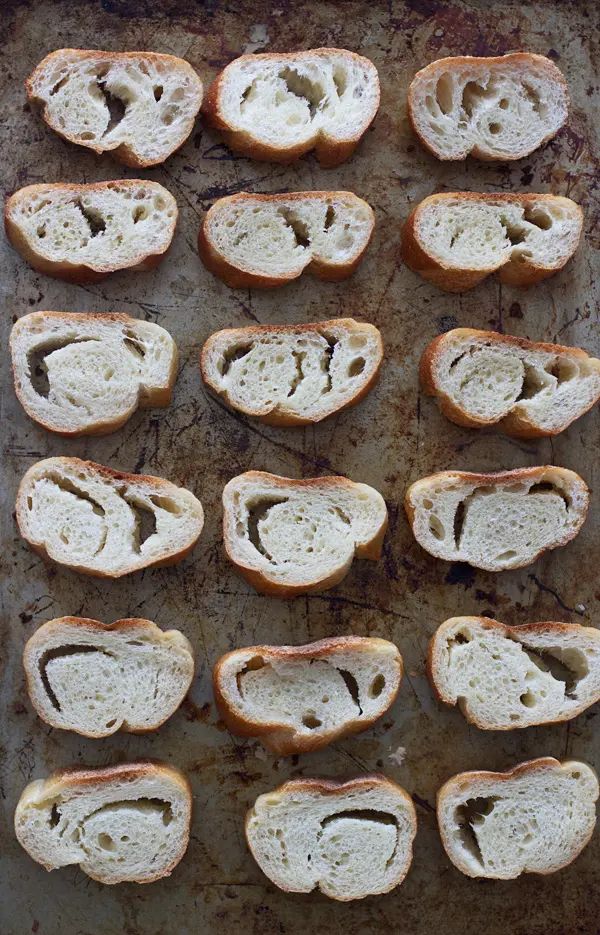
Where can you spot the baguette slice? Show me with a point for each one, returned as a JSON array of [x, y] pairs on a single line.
[[278, 106], [289, 537], [94, 679], [293, 374], [268, 240], [121, 823], [82, 233], [497, 108], [506, 677], [456, 239], [496, 521], [141, 106], [301, 698], [350, 839], [534, 818], [102, 522], [86, 374], [526, 388]]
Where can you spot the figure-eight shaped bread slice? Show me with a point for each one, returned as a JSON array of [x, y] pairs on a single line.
[[289, 537], [496, 521], [122, 823], [85, 676], [534, 818], [103, 522], [350, 839], [86, 374], [506, 677], [301, 698]]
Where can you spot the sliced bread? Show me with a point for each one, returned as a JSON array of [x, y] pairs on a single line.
[[278, 106], [293, 374], [496, 108], [526, 388], [84, 232], [94, 679], [301, 698], [350, 839], [456, 239], [86, 374], [534, 818], [496, 521], [122, 823], [268, 240], [140, 106], [103, 522], [289, 537], [506, 677]]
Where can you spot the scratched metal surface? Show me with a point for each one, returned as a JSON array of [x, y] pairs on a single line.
[[391, 439]]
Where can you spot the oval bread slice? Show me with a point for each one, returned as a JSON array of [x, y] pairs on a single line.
[[301, 698], [121, 823], [140, 106], [86, 374], [506, 677], [534, 818], [289, 537], [456, 239], [496, 521], [495, 108], [103, 522], [96, 679], [348, 839], [293, 374], [84, 232]]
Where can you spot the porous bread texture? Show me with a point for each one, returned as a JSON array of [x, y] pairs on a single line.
[[507, 677], [496, 521], [91, 518], [456, 239], [527, 389], [121, 823], [534, 818], [86, 374], [278, 106], [140, 106], [496, 108], [268, 240], [293, 374], [300, 698], [350, 839], [94, 679], [289, 537], [84, 232]]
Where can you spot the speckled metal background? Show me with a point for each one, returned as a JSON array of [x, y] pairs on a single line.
[[392, 438]]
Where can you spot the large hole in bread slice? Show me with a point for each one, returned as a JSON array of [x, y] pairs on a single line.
[[568, 666], [95, 221], [335, 823], [60, 652], [36, 362], [470, 815], [145, 522], [297, 226], [257, 512], [117, 107]]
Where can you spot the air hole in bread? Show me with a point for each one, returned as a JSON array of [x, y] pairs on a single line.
[[459, 522], [158, 92], [134, 345], [257, 513], [54, 816], [352, 686], [443, 93], [169, 114], [235, 353], [298, 227], [340, 80], [563, 370], [166, 503], [532, 97], [329, 217], [309, 720], [495, 128], [36, 363], [41, 232], [460, 637], [360, 814], [96, 222], [436, 527], [564, 665], [546, 487], [145, 523], [116, 107], [356, 366], [506, 556], [474, 93], [60, 652], [528, 699], [538, 217], [299, 357], [59, 84], [468, 816], [67, 485], [302, 87], [139, 213], [503, 103], [377, 686]]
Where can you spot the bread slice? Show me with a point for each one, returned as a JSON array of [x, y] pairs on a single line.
[[506, 677], [456, 239], [494, 108], [348, 839], [526, 388], [289, 537], [293, 374], [534, 818], [121, 823], [267, 240], [84, 232], [86, 374], [496, 521], [278, 106], [141, 106], [301, 698], [103, 522], [94, 679]]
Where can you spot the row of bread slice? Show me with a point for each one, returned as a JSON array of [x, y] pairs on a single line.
[[84, 232]]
